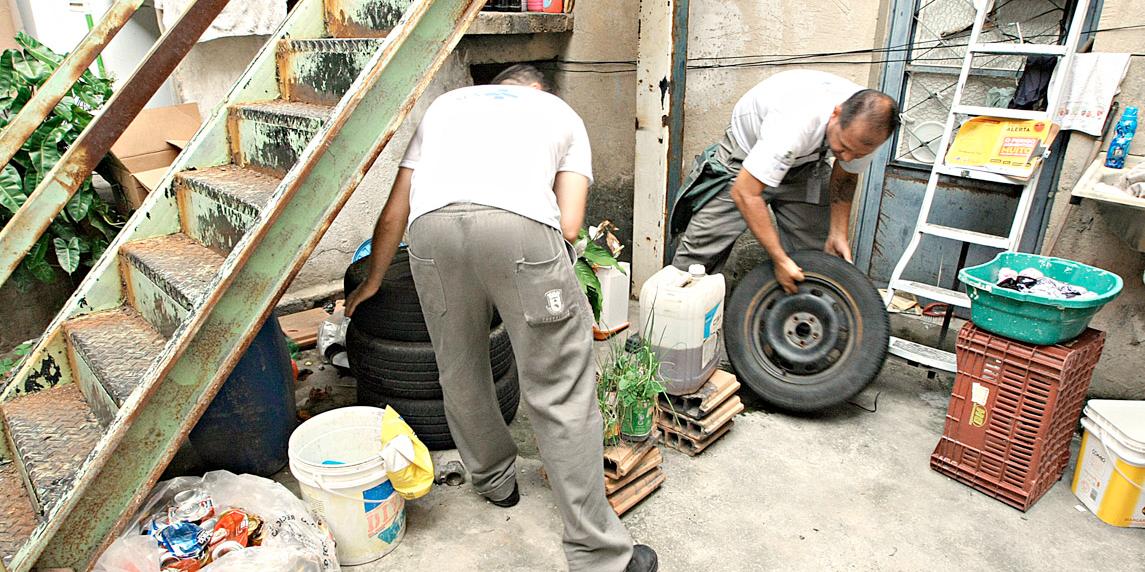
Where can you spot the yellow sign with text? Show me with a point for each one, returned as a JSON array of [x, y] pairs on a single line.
[[1009, 147]]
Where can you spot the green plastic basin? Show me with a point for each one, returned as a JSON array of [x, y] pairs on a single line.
[[1031, 318]]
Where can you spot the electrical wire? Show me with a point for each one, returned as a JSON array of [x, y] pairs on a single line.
[[779, 60]]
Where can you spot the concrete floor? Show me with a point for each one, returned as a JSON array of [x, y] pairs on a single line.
[[845, 489]]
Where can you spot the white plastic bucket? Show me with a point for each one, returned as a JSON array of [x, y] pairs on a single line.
[[337, 459], [1110, 475]]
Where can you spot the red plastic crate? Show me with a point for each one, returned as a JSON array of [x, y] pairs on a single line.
[[1013, 412]]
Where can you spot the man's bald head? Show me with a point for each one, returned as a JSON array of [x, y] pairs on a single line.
[[873, 108]]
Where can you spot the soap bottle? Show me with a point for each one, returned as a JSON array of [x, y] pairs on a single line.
[[1123, 137]]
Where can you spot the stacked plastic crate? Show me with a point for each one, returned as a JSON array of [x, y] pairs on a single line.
[[1013, 411]]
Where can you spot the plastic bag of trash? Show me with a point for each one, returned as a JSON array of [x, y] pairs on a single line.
[[222, 522], [408, 464], [332, 338]]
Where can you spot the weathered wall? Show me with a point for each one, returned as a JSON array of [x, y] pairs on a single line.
[[10, 23], [1084, 234], [321, 277], [604, 95]]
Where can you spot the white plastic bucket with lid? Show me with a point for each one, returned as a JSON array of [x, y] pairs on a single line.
[[1110, 475], [337, 459]]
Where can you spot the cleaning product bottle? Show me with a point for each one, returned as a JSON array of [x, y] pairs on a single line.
[[1119, 147]]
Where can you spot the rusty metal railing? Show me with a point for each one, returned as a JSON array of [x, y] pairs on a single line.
[[20, 234]]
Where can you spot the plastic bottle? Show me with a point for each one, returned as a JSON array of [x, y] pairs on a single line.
[[681, 314], [550, 6], [1119, 147]]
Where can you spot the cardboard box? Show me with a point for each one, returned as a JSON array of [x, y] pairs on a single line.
[[140, 158]]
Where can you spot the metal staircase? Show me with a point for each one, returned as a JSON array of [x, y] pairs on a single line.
[[933, 357], [125, 370]]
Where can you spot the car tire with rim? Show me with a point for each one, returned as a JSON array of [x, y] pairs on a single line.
[[427, 416], [809, 350]]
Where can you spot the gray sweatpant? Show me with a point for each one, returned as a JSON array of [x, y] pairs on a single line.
[[467, 259], [715, 228], [803, 219]]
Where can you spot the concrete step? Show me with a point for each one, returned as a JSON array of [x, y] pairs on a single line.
[[363, 18], [218, 205], [50, 433], [270, 136], [111, 352], [167, 277], [321, 71]]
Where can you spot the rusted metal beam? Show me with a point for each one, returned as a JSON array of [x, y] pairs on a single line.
[[30, 222], [61, 81], [267, 261]]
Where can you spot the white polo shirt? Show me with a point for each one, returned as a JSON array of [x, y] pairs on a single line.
[[499, 146], [781, 122]]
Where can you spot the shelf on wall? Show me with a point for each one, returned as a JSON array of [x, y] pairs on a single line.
[[501, 23]]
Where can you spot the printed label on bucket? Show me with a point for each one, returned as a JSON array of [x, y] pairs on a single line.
[[383, 508]]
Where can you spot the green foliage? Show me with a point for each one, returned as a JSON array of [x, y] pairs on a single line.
[[10, 361], [629, 383], [592, 255], [80, 234]]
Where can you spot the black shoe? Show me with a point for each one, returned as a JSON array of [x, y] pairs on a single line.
[[511, 500], [643, 560]]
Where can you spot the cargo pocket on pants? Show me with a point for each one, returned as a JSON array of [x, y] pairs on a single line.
[[428, 282], [547, 294]]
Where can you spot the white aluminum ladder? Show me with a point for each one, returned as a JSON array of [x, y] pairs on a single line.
[[932, 357]]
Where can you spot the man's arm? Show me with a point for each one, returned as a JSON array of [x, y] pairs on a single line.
[[843, 185], [747, 192], [387, 236], [572, 195]]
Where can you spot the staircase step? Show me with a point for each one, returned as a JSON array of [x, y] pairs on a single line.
[[51, 433], [270, 136], [167, 276], [218, 205], [17, 514], [321, 71], [113, 350], [362, 18]]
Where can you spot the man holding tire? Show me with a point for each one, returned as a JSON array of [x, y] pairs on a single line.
[[492, 185], [775, 154]]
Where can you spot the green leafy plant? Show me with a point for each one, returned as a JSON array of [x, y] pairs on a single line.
[[10, 361], [628, 387], [83, 230], [591, 254]]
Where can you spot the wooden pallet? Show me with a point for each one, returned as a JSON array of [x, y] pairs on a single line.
[[651, 460], [704, 401], [700, 429], [621, 459], [623, 500], [686, 444]]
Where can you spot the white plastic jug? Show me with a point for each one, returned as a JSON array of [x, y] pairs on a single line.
[[681, 314]]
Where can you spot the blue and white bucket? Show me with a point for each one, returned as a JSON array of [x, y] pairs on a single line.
[[337, 459]]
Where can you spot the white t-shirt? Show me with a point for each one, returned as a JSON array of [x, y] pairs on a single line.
[[499, 146], [781, 122]]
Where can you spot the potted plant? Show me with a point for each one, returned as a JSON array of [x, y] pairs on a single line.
[[627, 390], [591, 254]]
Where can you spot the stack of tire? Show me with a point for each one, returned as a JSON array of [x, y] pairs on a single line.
[[394, 363]]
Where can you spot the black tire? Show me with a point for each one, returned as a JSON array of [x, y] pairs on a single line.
[[394, 313], [427, 416], [409, 369], [811, 350]]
